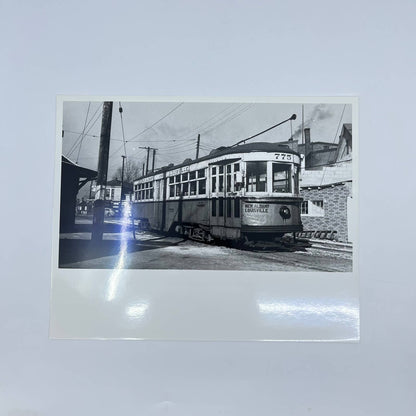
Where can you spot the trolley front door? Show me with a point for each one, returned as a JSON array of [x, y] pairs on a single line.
[[225, 198]]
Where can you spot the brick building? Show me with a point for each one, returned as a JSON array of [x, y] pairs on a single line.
[[327, 209], [326, 187]]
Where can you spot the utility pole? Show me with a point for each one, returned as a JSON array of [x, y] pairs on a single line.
[[102, 170], [197, 146], [147, 160], [303, 120], [122, 179], [143, 170], [153, 160]]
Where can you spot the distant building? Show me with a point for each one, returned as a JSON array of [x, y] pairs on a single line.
[[316, 154], [113, 191]]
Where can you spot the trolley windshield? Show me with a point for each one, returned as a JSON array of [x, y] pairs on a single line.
[[272, 177]]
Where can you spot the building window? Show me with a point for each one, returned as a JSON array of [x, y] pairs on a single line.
[[313, 208], [256, 176], [281, 178], [214, 207]]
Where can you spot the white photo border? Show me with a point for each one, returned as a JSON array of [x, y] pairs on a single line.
[[208, 305]]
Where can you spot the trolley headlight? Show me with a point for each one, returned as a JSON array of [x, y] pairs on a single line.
[[284, 212]]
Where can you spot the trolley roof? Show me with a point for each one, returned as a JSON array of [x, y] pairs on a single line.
[[223, 151]]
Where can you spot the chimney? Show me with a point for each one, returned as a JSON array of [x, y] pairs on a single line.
[[307, 135]]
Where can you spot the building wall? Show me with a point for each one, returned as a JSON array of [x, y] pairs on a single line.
[[326, 175], [335, 210]]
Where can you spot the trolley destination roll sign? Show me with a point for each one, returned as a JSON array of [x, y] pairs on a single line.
[[256, 208]]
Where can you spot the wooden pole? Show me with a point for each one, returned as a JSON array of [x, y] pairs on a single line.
[[153, 160], [197, 146], [122, 179], [147, 160], [102, 171]]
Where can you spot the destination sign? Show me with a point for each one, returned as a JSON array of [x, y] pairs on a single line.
[[178, 171], [258, 208]]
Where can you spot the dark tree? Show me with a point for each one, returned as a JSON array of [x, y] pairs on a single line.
[[132, 171]]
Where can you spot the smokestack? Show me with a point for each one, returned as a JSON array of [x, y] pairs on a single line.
[[307, 135]]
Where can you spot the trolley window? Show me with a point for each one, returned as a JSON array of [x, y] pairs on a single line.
[[201, 173], [214, 207], [237, 207], [202, 187], [193, 187], [281, 177], [228, 204], [220, 207], [256, 176], [214, 184]]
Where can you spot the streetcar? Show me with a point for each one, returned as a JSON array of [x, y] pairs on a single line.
[[248, 192]]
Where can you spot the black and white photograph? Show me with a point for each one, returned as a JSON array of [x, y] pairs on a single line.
[[186, 184]]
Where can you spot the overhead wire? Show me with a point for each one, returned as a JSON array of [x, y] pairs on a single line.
[[74, 145], [196, 129], [154, 124], [83, 130], [89, 126]]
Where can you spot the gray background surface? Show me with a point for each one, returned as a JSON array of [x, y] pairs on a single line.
[[234, 48]]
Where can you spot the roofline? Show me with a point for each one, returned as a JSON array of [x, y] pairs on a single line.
[[328, 185], [86, 171]]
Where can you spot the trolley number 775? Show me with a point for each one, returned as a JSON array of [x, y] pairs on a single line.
[[283, 156]]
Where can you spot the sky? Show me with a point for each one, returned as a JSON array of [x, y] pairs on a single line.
[[172, 128]]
